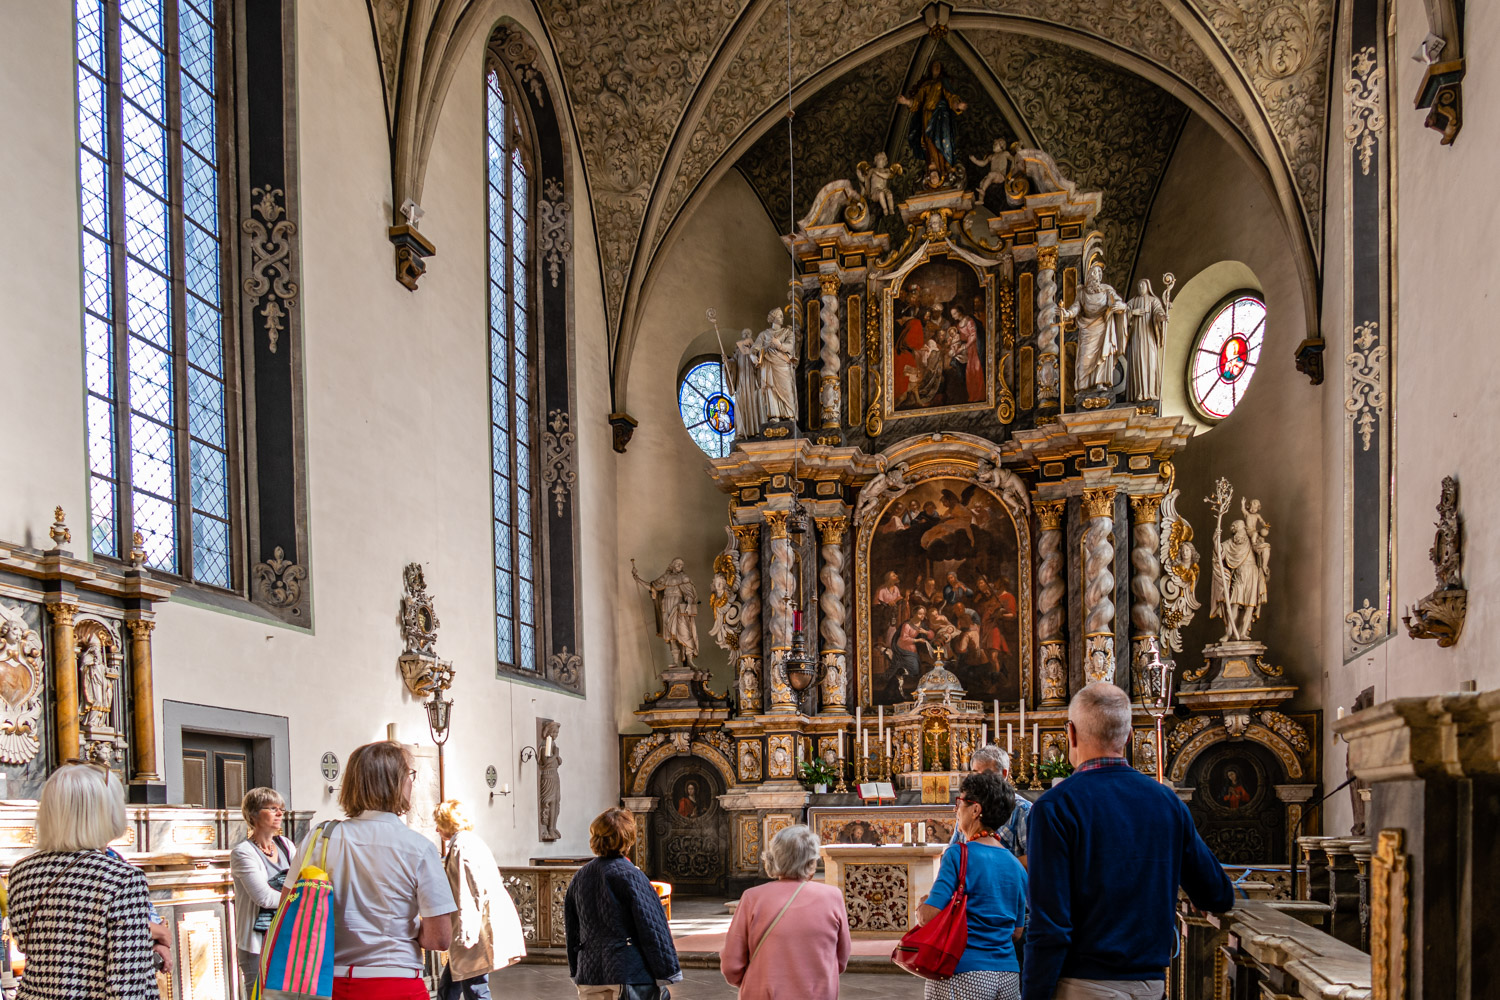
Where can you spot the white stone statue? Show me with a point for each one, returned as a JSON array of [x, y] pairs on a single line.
[[740, 372], [1011, 487], [1102, 333], [98, 692], [775, 356], [1240, 565], [997, 165], [874, 494], [1148, 333], [876, 181], [828, 207], [676, 601], [1033, 171], [549, 783]]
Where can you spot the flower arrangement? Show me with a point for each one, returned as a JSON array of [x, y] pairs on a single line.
[[1050, 769], [817, 772]]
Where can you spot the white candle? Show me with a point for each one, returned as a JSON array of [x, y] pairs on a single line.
[[1010, 742], [880, 721], [864, 744], [505, 788], [921, 833], [997, 716], [888, 744], [857, 712], [841, 744], [906, 833], [1341, 711], [1022, 705], [984, 733], [549, 747], [1036, 739]]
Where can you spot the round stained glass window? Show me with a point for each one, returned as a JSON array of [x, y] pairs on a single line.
[[706, 408], [1223, 360]]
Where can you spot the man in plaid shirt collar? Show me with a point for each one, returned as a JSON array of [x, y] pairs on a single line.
[[1013, 834]]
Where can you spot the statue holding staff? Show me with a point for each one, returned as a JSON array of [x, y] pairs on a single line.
[[676, 602]]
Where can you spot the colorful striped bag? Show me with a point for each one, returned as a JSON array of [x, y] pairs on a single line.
[[296, 958]]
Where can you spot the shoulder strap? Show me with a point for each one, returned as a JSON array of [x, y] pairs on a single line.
[[784, 908], [962, 889]]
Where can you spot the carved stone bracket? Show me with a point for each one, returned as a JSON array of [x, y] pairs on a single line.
[[278, 581], [1440, 615]]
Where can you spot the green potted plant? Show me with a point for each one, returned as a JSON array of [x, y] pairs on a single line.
[[1055, 770], [817, 774]]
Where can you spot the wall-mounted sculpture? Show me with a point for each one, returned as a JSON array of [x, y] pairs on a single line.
[[1148, 316], [423, 672], [548, 782], [100, 662], [1440, 615], [1102, 330], [21, 673]]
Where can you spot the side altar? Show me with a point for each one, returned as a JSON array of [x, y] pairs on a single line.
[[953, 503]]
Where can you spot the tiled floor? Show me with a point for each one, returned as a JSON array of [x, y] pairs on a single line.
[[551, 982]]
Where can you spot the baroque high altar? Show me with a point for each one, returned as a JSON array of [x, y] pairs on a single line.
[[952, 505]]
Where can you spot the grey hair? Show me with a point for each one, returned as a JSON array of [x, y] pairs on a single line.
[[1101, 714], [793, 853], [991, 754]]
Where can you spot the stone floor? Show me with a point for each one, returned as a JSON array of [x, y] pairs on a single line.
[[551, 982]]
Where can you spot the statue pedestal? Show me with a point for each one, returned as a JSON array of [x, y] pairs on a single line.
[[684, 687], [1234, 677]]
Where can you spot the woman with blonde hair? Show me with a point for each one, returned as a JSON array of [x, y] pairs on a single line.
[[391, 899], [259, 865], [619, 944], [803, 921], [81, 914], [486, 929]]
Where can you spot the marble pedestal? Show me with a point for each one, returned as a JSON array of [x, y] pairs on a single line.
[[882, 885]]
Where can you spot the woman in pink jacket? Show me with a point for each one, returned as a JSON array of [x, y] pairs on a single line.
[[790, 937]]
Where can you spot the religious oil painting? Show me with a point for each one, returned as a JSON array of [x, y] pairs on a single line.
[[690, 798], [939, 344], [942, 581]]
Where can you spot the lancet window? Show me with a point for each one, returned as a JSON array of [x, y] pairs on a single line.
[[513, 427], [149, 76]]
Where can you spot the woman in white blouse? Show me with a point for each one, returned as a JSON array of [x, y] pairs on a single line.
[[259, 865]]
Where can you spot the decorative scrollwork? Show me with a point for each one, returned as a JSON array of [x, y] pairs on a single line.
[[1365, 624], [565, 667], [1185, 731], [21, 672], [270, 260], [558, 474], [1365, 403], [552, 243], [278, 580], [1366, 119], [1287, 729], [640, 750]]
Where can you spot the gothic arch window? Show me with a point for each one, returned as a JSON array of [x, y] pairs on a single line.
[[532, 452], [150, 78], [1225, 354], [706, 407]]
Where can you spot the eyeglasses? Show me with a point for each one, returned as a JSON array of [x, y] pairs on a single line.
[[964, 800]]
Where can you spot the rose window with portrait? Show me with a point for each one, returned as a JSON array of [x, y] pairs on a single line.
[[1224, 358], [707, 408]]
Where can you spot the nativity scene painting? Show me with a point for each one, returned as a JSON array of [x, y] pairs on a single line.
[[940, 351], [942, 567]]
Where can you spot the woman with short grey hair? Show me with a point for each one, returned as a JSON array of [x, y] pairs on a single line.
[[807, 920]]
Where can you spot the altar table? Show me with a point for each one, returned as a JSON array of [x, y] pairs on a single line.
[[882, 884]]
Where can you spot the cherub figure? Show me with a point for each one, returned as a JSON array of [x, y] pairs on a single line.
[[876, 182], [998, 165]]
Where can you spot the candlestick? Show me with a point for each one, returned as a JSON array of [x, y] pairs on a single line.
[[841, 788]]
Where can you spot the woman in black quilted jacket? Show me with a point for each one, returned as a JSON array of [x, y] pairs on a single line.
[[619, 945]]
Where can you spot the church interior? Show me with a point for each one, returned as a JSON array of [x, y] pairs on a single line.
[[742, 413]]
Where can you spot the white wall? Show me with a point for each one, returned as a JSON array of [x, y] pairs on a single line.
[[397, 433]]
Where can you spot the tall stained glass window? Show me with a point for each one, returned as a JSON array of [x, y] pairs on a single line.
[[149, 184], [1223, 359], [512, 383]]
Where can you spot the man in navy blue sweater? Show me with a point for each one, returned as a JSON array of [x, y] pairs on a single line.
[[1107, 850]]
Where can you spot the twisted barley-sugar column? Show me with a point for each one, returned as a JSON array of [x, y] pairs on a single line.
[[1099, 584], [747, 670], [829, 400], [834, 612], [1051, 601], [1048, 326], [783, 584], [143, 691], [1145, 586], [64, 679]]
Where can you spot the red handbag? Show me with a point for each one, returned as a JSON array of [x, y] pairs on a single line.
[[932, 951]]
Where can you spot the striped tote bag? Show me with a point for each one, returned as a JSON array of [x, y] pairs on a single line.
[[296, 958]]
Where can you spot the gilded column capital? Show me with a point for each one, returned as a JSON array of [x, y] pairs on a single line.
[[140, 628], [1050, 513], [1146, 508], [1099, 502], [832, 528], [1046, 258], [748, 536], [830, 283], [63, 613], [776, 522]]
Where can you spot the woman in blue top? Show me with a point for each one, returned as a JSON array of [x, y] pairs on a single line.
[[996, 886]]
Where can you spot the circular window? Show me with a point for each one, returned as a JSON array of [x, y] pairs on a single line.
[[707, 410], [1223, 360]]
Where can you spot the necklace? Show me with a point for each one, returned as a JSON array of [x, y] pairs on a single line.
[[268, 850]]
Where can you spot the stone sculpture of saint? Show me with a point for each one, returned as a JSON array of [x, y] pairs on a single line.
[[744, 379], [676, 601], [775, 355], [934, 125], [1148, 332], [549, 784], [1239, 582], [98, 695], [1101, 316]]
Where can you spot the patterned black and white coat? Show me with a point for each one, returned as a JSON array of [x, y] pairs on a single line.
[[82, 920]]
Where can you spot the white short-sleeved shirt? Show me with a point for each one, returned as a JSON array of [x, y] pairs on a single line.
[[386, 876]]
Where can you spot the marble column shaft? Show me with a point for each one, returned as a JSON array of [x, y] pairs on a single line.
[[64, 680], [143, 695], [1052, 601], [747, 669], [1049, 372], [779, 611], [833, 612], [828, 335], [1099, 584], [1145, 588]]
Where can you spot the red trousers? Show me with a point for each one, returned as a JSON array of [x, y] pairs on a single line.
[[345, 988]]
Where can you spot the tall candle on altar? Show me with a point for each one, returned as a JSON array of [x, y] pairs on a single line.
[[880, 721], [1022, 706], [997, 718], [887, 744], [864, 744], [984, 734], [1036, 739], [841, 744], [1010, 742]]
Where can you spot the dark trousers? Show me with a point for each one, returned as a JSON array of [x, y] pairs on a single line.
[[449, 988]]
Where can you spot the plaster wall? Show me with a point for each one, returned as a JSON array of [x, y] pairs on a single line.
[[397, 432], [729, 258], [1215, 225]]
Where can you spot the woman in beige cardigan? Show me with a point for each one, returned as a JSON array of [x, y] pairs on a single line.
[[486, 929]]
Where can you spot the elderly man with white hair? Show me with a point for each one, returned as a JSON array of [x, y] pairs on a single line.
[[1108, 849], [1012, 836]]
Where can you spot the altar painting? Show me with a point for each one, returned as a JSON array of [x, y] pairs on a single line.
[[942, 566], [938, 340]]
